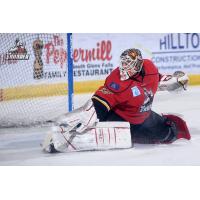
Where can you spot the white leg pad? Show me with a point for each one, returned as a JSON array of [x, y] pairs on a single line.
[[104, 136]]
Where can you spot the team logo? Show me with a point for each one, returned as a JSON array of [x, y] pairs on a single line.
[[135, 91], [105, 91], [17, 52], [115, 86]]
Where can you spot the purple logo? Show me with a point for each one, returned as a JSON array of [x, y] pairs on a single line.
[[115, 86]]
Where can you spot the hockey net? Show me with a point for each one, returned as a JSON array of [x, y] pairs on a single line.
[[33, 78]]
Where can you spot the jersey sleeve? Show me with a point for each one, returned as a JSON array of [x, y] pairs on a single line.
[[106, 97], [101, 110]]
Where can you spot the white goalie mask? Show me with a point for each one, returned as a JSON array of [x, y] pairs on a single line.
[[130, 63]]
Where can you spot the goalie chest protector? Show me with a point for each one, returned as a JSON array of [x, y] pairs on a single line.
[[131, 99]]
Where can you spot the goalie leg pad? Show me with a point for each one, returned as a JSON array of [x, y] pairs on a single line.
[[104, 136]]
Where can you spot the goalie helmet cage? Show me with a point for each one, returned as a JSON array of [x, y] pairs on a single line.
[[36, 77]]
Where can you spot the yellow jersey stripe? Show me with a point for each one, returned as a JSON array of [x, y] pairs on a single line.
[[102, 102]]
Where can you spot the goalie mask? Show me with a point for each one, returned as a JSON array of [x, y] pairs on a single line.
[[130, 63]]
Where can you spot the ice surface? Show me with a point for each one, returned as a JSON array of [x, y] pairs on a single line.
[[21, 146]]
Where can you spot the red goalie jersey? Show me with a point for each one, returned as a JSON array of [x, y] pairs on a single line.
[[131, 99]]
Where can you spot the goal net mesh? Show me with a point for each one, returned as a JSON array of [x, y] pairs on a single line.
[[33, 78]]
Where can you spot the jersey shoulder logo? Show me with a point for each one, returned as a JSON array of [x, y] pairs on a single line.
[[135, 91], [114, 85], [105, 91]]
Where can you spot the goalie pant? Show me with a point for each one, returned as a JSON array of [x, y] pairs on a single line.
[[155, 129]]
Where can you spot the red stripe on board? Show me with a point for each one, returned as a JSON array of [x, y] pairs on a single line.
[[96, 136], [62, 130], [102, 134], [115, 136], [109, 135], [73, 147], [90, 118], [89, 108]]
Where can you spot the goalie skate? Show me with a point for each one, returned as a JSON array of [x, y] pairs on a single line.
[[58, 141], [48, 145], [181, 126]]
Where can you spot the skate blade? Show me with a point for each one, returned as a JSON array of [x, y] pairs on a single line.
[[46, 143]]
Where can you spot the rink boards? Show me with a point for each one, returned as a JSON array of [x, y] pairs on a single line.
[[59, 89]]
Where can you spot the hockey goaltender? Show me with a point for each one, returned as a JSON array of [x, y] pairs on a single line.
[[119, 113]]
